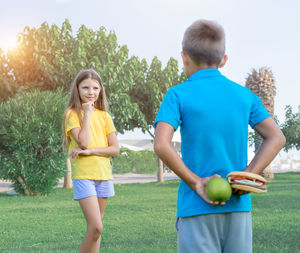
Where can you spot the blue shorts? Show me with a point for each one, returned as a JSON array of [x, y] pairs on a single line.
[[84, 188], [215, 233]]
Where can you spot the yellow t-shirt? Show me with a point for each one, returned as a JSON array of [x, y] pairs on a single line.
[[91, 167]]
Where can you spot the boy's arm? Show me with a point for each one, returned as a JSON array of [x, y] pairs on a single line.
[[112, 149], [273, 142], [162, 147]]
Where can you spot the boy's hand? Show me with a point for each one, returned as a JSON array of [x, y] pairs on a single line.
[[78, 151], [239, 192], [88, 107], [200, 190]]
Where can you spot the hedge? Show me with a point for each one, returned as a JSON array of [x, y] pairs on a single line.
[[144, 162], [31, 152]]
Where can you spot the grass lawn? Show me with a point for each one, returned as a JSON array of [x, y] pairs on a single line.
[[140, 218]]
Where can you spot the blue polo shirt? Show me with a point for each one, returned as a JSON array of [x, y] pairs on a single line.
[[213, 114]]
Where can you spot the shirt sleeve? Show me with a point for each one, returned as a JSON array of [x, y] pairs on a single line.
[[109, 125], [258, 111], [72, 121], [169, 110]]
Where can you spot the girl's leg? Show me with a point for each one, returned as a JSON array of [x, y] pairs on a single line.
[[102, 204], [91, 211]]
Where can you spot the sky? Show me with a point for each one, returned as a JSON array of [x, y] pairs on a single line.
[[259, 33]]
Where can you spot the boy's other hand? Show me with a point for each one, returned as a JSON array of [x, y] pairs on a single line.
[[239, 192], [200, 190]]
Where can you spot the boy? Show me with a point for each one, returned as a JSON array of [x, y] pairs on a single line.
[[213, 114]]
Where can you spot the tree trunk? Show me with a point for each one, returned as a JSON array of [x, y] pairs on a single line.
[[26, 190], [68, 175], [160, 165], [267, 173], [160, 171]]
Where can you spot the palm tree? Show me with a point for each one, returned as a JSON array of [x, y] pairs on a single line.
[[261, 83]]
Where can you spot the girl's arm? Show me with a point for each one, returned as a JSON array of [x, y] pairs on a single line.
[[83, 135], [112, 149]]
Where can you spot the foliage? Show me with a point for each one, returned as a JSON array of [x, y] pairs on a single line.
[[251, 135], [291, 128], [150, 86], [31, 154], [144, 162], [49, 57], [43, 58]]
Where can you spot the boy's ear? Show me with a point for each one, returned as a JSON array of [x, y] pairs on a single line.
[[184, 57], [223, 61]]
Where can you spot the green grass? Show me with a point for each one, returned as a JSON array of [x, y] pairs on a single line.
[[276, 216], [140, 218]]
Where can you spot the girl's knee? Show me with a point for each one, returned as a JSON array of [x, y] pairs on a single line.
[[95, 231]]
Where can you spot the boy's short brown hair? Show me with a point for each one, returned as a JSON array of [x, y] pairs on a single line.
[[204, 42]]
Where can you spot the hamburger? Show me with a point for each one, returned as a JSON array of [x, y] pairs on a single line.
[[247, 181]]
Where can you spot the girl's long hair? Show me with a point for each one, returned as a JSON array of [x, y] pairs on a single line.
[[75, 102]]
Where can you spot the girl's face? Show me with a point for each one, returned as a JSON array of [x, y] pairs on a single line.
[[89, 90]]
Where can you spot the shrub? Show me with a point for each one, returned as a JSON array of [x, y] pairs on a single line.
[[144, 162], [31, 153]]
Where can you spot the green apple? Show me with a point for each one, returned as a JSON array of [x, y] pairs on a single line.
[[218, 189]]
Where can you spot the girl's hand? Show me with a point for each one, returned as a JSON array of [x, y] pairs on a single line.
[[88, 107], [78, 151]]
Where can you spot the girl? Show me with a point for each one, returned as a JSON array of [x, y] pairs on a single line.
[[90, 136]]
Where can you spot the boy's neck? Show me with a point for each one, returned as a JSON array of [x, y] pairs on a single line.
[[190, 70]]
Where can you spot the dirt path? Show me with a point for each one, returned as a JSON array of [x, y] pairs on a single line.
[[128, 178]]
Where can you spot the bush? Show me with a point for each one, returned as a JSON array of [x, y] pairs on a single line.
[[31, 152], [144, 162]]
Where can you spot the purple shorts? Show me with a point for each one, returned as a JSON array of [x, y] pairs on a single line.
[[84, 188]]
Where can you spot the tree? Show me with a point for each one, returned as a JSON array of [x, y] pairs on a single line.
[[261, 83], [150, 86], [291, 128]]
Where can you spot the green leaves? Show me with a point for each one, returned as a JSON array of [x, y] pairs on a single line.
[[149, 87], [144, 162], [49, 57], [291, 128], [30, 141]]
